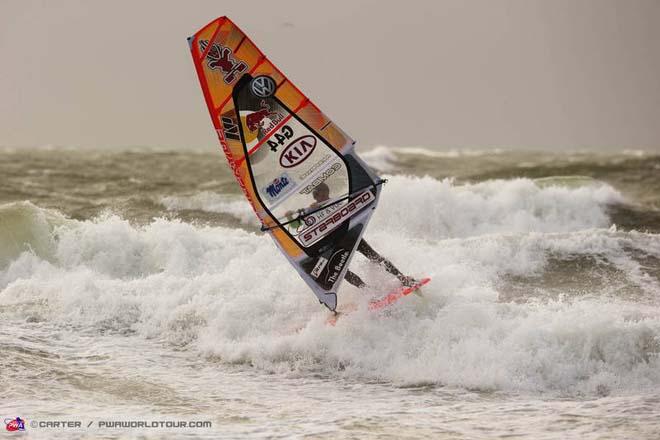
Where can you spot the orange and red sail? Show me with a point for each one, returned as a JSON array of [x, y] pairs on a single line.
[[298, 169]]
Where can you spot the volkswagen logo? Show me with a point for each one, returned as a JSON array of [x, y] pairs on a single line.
[[263, 86]]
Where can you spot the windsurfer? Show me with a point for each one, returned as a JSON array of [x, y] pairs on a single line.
[[321, 195]]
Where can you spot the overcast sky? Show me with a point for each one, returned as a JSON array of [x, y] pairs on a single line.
[[555, 74]]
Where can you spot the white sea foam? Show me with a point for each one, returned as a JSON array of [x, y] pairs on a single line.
[[229, 294], [384, 158], [381, 158], [424, 207], [452, 153], [213, 202], [428, 208]]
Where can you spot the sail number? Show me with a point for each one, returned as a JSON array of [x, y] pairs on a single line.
[[285, 133]]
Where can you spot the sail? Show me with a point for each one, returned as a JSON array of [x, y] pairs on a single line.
[[312, 194]]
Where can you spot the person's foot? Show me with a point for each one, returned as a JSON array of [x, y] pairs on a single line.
[[407, 281]]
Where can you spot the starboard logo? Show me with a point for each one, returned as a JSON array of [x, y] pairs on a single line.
[[221, 58], [298, 151], [278, 186], [319, 214], [309, 220], [16, 424], [314, 233]]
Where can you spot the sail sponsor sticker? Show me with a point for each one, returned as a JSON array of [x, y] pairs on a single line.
[[337, 263], [332, 169], [264, 119], [230, 127], [263, 86], [298, 151], [222, 58], [278, 187], [318, 268], [320, 229]]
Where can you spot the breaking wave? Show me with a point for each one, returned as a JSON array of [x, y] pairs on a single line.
[[493, 318]]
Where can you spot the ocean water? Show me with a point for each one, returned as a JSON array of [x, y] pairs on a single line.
[[135, 286]]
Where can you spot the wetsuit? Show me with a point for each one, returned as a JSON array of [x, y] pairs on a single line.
[[374, 257], [364, 248]]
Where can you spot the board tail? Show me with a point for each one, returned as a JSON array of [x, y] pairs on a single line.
[[296, 167]]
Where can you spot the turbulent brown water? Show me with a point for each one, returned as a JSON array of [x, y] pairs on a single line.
[[83, 184], [135, 284]]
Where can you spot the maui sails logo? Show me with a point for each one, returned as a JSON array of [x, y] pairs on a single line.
[[278, 187], [221, 58], [230, 127], [16, 424]]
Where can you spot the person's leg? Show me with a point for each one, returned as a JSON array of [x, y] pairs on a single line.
[[354, 279], [365, 249]]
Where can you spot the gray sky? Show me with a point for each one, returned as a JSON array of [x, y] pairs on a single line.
[[448, 74]]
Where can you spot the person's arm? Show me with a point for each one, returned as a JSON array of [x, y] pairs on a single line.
[[295, 221]]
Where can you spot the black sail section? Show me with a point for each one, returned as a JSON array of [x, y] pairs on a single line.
[[320, 197]]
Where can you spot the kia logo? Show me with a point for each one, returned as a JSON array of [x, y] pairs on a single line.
[[297, 151]]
